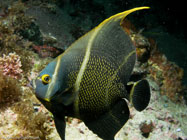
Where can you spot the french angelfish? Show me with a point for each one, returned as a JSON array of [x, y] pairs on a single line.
[[89, 80]]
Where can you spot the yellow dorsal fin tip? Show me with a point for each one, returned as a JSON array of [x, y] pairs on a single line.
[[123, 14], [126, 13]]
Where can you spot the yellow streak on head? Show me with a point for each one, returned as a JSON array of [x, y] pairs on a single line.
[[53, 80]]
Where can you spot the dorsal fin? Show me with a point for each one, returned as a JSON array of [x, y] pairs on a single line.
[[122, 15]]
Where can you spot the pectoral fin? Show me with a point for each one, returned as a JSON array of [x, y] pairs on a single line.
[[65, 97], [60, 126], [111, 122]]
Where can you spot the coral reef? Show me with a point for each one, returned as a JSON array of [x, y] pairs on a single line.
[[10, 39], [32, 123], [167, 74], [22, 116], [22, 24], [11, 65], [18, 117]]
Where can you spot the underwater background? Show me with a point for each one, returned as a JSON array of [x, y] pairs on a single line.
[[34, 32]]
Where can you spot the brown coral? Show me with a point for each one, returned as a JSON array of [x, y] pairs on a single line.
[[167, 74], [146, 128], [46, 51]]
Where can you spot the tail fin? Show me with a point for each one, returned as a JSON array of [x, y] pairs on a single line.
[[140, 94]]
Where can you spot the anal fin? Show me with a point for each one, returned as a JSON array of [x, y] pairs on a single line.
[[107, 125]]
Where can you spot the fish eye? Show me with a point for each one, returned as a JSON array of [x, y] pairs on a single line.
[[46, 79]]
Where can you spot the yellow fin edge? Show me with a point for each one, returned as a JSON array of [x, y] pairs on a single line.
[[122, 15], [132, 92]]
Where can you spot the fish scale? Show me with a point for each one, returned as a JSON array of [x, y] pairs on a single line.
[[93, 87]]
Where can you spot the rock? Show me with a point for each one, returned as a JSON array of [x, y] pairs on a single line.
[[146, 128], [47, 51]]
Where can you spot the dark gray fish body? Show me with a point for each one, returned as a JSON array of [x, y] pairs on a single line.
[[88, 81]]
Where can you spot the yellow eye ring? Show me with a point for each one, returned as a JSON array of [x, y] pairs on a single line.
[[46, 79]]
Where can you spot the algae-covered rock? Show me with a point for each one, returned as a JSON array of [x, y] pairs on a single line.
[[10, 91]]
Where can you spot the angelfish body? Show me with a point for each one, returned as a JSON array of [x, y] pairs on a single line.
[[89, 80]]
